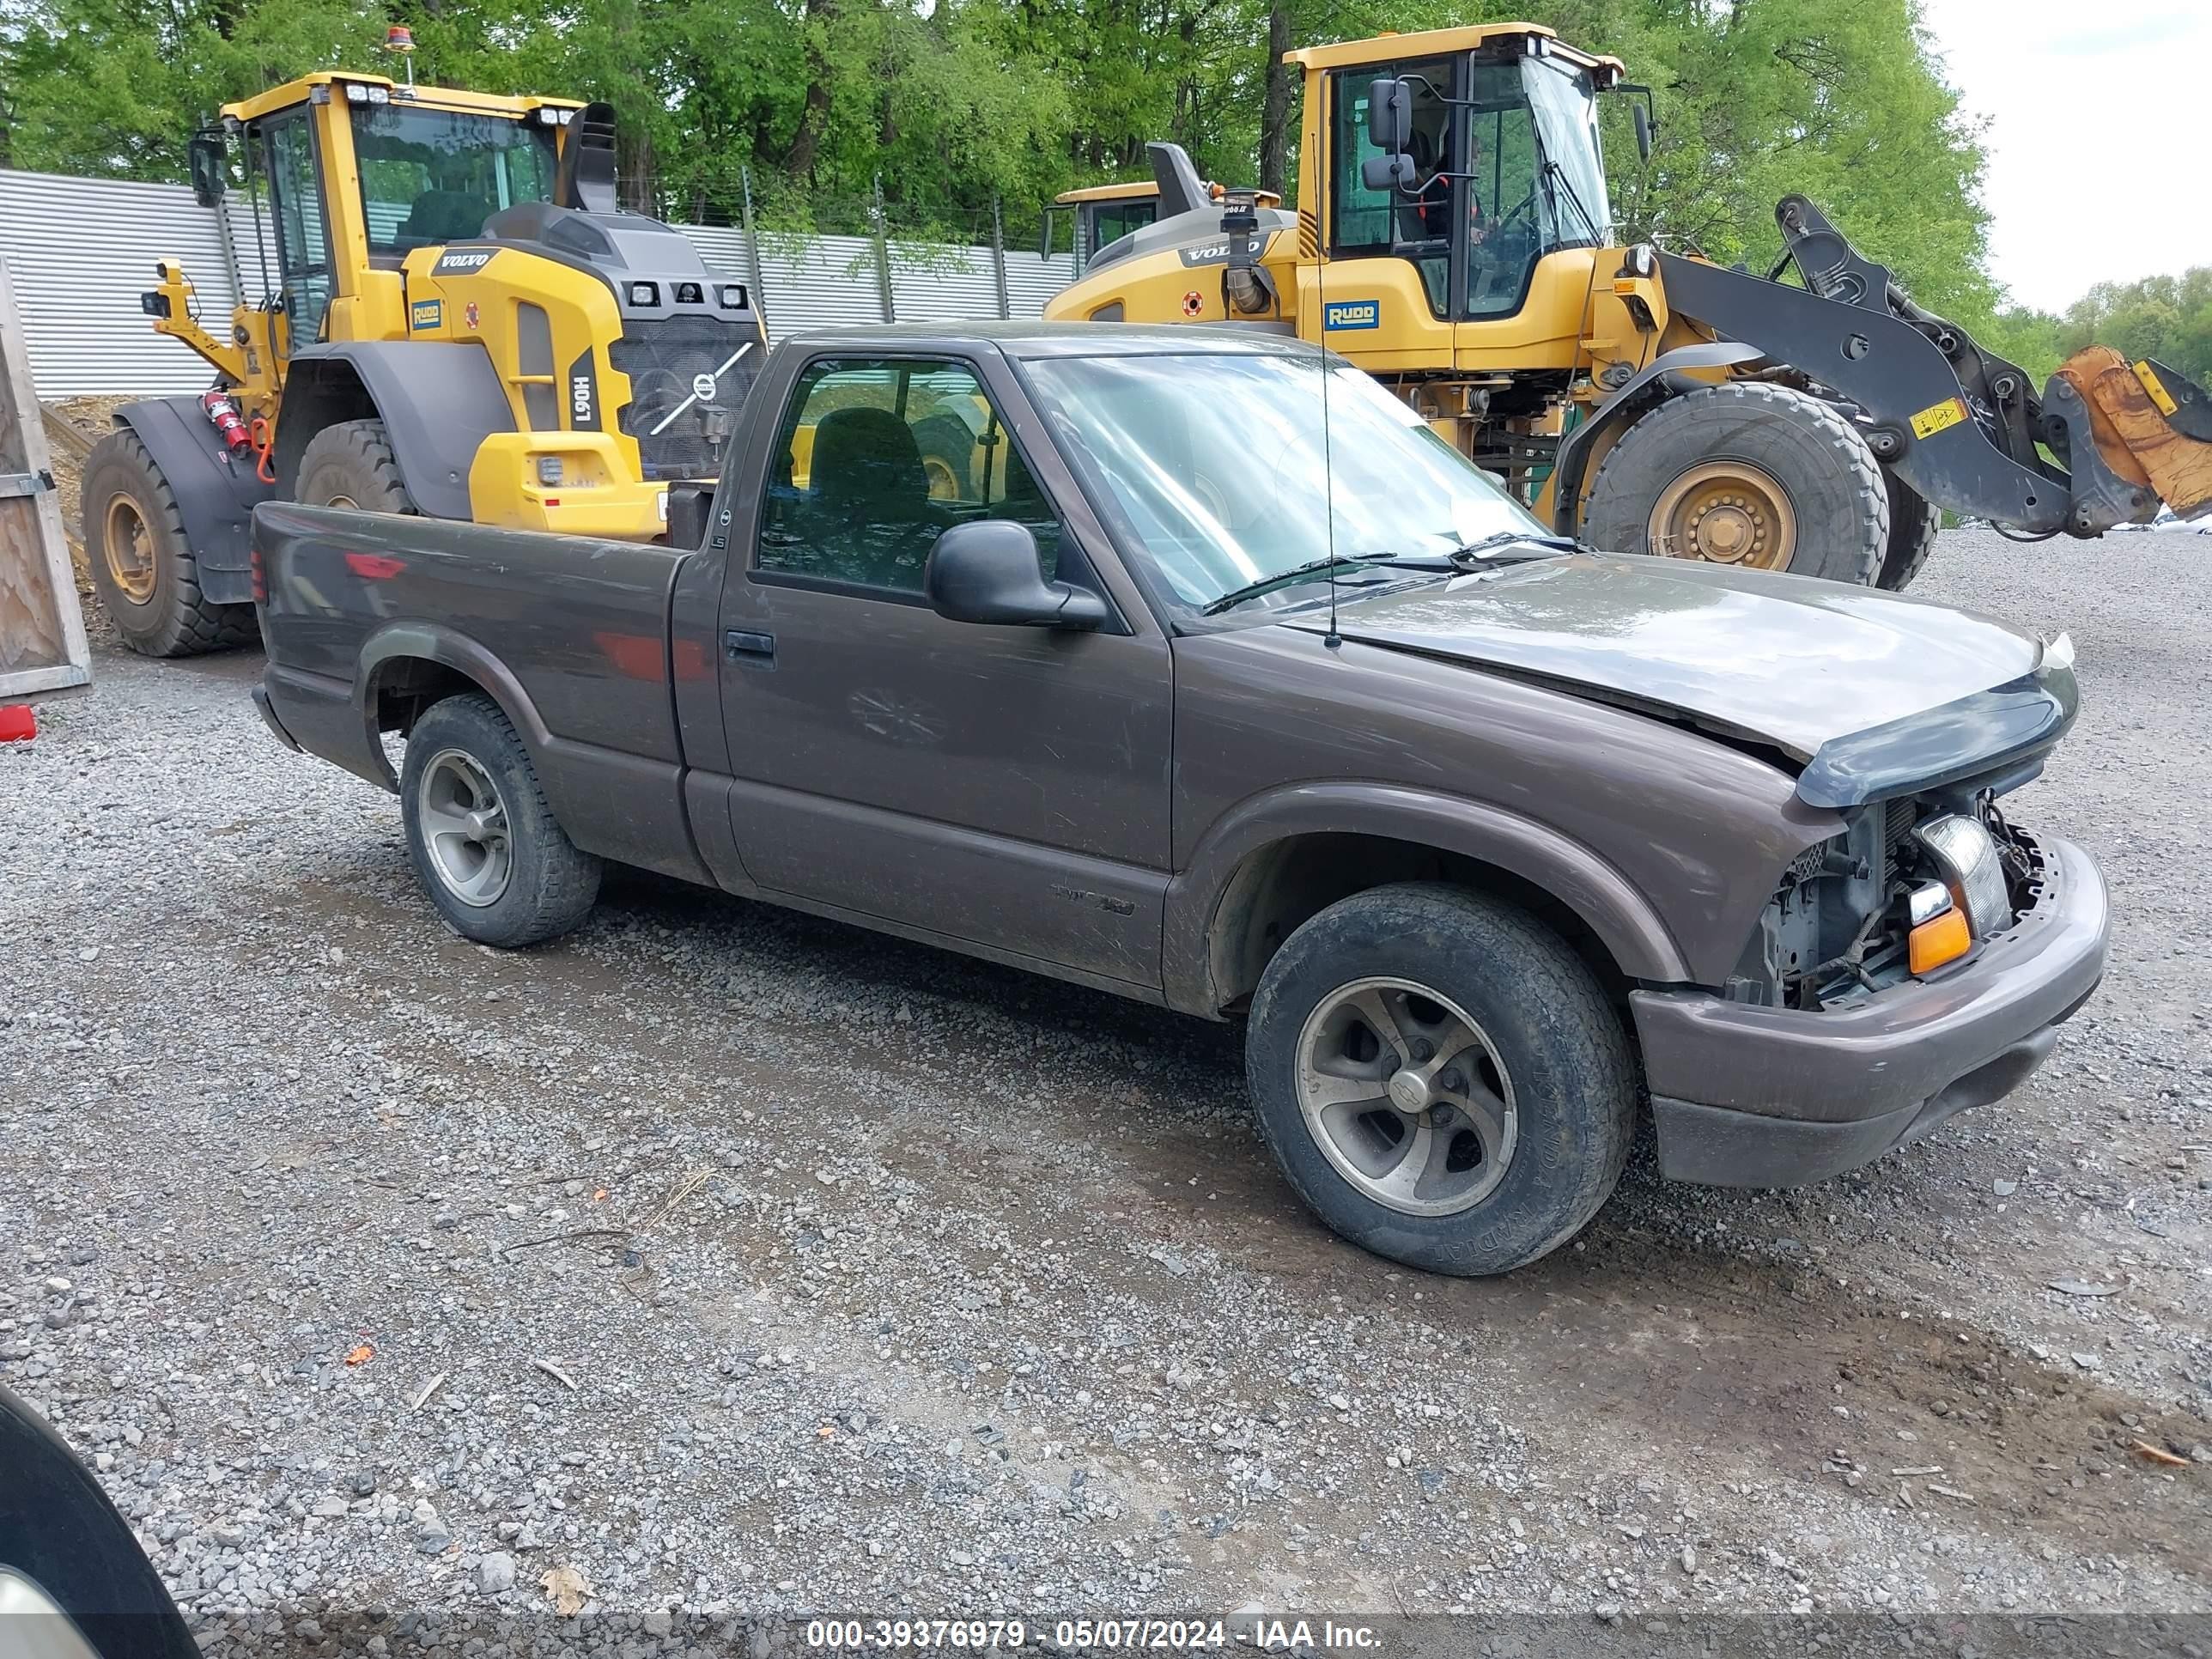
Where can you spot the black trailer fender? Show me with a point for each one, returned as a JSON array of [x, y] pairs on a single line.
[[216, 493], [1573, 458], [438, 401]]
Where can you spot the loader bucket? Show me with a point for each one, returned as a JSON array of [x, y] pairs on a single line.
[[2153, 427]]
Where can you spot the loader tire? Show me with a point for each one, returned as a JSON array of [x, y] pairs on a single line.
[[1747, 474], [351, 465], [1913, 522], [143, 568]]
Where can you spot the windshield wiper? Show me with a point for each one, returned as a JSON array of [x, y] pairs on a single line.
[[1313, 568], [1487, 547]]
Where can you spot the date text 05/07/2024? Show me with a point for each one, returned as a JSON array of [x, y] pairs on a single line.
[[1092, 1635]]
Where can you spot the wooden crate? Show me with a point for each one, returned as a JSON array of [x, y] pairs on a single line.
[[42, 644]]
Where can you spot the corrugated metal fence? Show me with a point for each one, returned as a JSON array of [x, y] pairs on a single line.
[[80, 251]]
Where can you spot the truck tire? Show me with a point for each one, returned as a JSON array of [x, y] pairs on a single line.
[[1913, 522], [1505, 1076], [1748, 474], [141, 567], [484, 844], [350, 463]]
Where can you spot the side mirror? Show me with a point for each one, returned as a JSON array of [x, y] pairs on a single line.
[[1642, 118], [986, 571], [206, 156], [1390, 115], [1388, 172]]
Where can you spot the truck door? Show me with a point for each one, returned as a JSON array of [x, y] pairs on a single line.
[[1006, 787], [303, 246]]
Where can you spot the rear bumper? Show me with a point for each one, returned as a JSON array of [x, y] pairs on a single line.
[[316, 714], [269, 719], [1747, 1096]]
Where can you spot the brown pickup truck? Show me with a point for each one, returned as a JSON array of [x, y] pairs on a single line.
[[1172, 663]]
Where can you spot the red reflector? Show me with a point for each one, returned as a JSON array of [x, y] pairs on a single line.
[[261, 576], [552, 500], [374, 567]]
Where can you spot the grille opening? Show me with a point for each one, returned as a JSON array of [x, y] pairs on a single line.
[[665, 359]]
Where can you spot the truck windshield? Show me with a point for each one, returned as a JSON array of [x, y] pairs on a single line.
[[433, 176], [1217, 464]]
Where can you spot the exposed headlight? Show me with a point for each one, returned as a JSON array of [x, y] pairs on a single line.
[[549, 470], [1968, 861], [731, 297], [645, 293]]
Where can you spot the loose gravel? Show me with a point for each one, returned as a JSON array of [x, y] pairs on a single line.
[[718, 1258]]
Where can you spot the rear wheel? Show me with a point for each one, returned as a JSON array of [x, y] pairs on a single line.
[[141, 567], [484, 844], [1913, 522], [351, 465], [1747, 474]]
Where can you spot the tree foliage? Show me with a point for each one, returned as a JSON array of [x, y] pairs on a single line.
[[950, 104]]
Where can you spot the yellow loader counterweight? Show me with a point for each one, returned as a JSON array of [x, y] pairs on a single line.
[[457, 320], [1453, 236]]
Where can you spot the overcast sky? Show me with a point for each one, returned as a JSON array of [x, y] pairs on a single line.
[[2097, 167]]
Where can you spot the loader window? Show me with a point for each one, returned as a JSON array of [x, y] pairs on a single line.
[[434, 176], [1417, 224], [303, 247]]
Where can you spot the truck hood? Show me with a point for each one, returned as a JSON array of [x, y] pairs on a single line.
[[1785, 660]]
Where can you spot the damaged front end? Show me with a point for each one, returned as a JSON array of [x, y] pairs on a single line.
[[1927, 869]]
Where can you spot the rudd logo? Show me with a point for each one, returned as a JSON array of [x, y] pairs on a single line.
[[1352, 313]]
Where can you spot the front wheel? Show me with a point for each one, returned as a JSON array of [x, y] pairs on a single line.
[[1744, 473], [484, 844], [143, 568], [1441, 1077]]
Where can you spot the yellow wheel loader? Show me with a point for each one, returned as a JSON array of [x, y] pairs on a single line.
[[1452, 237], [457, 322]]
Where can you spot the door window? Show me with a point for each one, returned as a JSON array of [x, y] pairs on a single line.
[[303, 246], [876, 459], [1414, 222]]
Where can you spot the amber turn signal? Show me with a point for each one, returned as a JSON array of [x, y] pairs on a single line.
[[1932, 943]]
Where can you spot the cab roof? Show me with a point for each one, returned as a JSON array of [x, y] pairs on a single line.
[[1025, 340], [1430, 43], [302, 90], [1138, 189]]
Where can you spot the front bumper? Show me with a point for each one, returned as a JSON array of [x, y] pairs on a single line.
[[1749, 1097]]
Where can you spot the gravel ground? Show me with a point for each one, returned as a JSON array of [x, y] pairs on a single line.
[[734, 1258]]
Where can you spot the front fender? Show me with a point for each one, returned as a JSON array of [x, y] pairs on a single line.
[[1600, 895]]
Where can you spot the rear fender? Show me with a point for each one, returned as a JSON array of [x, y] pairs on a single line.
[[438, 403], [216, 494], [398, 643]]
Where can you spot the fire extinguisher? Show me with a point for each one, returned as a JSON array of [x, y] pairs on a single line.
[[222, 409]]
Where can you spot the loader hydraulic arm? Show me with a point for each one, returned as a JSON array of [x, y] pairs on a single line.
[[1962, 426], [170, 306]]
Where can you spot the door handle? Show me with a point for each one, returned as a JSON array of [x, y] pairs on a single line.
[[750, 650]]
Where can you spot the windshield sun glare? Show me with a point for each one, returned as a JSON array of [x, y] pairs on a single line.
[[1226, 474]]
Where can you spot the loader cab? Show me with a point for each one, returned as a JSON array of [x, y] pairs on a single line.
[[357, 172], [1102, 215], [1469, 165]]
